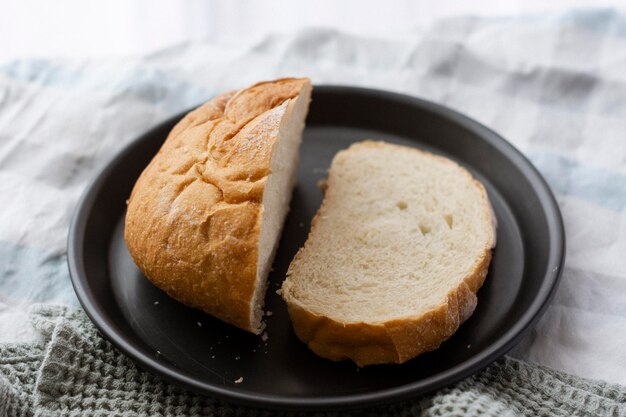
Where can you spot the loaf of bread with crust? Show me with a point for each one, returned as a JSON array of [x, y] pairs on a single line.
[[395, 256], [205, 216]]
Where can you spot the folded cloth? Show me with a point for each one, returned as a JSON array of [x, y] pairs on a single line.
[[76, 372]]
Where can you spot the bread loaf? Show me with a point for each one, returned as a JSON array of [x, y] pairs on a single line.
[[205, 216], [395, 256]]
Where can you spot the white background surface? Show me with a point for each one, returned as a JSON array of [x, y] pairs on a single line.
[[78, 28]]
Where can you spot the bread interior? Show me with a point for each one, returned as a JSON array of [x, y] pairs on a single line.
[[277, 194], [397, 231]]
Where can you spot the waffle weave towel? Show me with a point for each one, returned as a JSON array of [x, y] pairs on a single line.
[[76, 372]]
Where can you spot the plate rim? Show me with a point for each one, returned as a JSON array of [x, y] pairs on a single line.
[[414, 389]]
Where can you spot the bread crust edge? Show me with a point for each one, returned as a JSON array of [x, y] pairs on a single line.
[[395, 341]]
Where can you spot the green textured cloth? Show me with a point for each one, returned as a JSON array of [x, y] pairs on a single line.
[[75, 372]]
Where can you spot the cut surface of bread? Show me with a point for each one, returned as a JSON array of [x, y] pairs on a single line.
[[205, 216], [395, 256]]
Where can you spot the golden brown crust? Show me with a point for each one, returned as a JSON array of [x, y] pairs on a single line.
[[394, 341], [193, 218]]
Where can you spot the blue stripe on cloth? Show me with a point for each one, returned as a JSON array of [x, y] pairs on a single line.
[[30, 274], [142, 82], [599, 186], [605, 21]]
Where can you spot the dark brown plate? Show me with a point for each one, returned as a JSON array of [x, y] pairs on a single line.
[[140, 319]]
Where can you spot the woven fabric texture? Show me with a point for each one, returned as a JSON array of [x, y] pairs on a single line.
[[76, 372]]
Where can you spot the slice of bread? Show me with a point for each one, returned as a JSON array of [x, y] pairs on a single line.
[[395, 256], [205, 216]]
